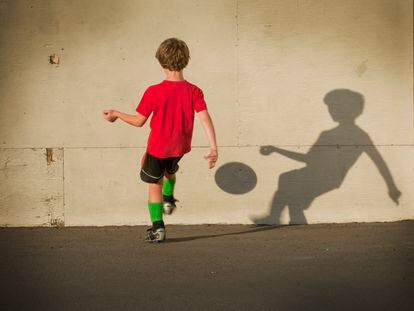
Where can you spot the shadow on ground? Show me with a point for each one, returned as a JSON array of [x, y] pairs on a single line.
[[256, 229]]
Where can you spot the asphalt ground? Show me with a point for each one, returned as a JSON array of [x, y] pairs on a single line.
[[356, 266]]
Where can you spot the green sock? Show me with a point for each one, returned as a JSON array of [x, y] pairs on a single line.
[[168, 186], [155, 210]]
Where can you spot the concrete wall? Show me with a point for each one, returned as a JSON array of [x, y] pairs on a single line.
[[265, 67]]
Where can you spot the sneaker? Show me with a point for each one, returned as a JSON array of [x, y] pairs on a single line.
[[169, 204], [155, 236]]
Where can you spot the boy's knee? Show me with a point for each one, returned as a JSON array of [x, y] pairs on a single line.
[[283, 178], [291, 176], [169, 175], [170, 171], [149, 179]]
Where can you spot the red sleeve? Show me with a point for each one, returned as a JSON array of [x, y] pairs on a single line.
[[199, 103], [145, 105]]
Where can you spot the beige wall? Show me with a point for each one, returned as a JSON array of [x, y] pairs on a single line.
[[264, 66]]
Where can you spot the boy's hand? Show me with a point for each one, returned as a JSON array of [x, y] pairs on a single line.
[[211, 158], [110, 115], [394, 194], [266, 150]]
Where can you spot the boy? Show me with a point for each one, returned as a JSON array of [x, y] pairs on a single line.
[[172, 104]]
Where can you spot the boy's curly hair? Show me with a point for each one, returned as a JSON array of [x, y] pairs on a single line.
[[173, 54]]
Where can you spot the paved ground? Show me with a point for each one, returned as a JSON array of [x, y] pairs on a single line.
[[310, 267]]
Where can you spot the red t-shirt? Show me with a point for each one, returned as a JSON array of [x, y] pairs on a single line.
[[172, 104]]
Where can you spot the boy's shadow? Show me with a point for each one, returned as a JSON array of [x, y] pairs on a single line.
[[326, 165], [249, 230]]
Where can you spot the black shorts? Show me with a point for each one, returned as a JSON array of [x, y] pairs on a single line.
[[153, 168]]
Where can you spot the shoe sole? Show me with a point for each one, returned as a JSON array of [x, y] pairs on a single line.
[[154, 241], [169, 208]]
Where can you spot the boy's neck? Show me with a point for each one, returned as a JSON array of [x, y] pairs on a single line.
[[173, 75]]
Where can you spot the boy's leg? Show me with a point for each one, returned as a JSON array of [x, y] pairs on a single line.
[[171, 167], [152, 173], [155, 204], [168, 193], [169, 184]]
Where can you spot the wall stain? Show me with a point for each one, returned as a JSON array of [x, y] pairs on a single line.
[[5, 167], [362, 68], [49, 156], [54, 59], [49, 199]]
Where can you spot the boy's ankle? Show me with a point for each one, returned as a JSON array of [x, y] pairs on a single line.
[[157, 225]]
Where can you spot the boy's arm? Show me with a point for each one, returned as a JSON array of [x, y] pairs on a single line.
[[135, 120], [385, 172], [208, 127], [266, 150]]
